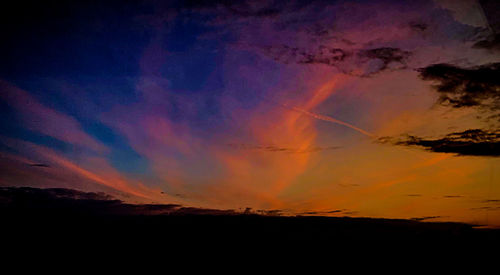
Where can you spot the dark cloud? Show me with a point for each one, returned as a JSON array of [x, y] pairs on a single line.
[[335, 211], [201, 211], [490, 43], [388, 56], [474, 142], [325, 32], [348, 184], [418, 26], [244, 9], [487, 208], [491, 201], [462, 87], [273, 148], [39, 165], [364, 63], [452, 196], [319, 55], [465, 87], [351, 212], [413, 195], [310, 213], [491, 10], [323, 212], [238, 8], [425, 218]]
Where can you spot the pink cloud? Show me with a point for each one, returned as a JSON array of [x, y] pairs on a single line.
[[57, 170]]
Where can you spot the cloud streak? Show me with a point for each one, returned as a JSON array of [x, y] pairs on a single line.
[[473, 142], [277, 149], [47, 121]]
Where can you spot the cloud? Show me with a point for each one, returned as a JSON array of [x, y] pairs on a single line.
[[356, 38], [201, 211], [39, 165], [39, 118], [419, 219], [388, 56], [320, 55], [491, 8], [458, 87], [248, 9], [486, 208], [348, 185], [273, 148], [473, 142], [491, 43], [357, 62], [348, 36], [491, 201], [89, 172], [238, 8], [418, 26], [325, 212]]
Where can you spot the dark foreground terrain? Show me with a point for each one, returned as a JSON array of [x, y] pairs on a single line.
[[69, 216]]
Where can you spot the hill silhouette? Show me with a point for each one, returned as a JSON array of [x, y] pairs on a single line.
[[63, 214]]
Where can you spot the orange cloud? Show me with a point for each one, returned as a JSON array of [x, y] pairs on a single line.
[[61, 171]]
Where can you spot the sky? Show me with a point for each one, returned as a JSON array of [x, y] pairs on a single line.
[[386, 109]]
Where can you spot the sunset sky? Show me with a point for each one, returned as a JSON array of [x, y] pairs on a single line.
[[367, 108]]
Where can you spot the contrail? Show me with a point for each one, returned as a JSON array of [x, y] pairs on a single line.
[[330, 119], [322, 117]]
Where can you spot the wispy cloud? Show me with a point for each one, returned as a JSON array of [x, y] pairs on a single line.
[[39, 118], [273, 148], [91, 171]]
